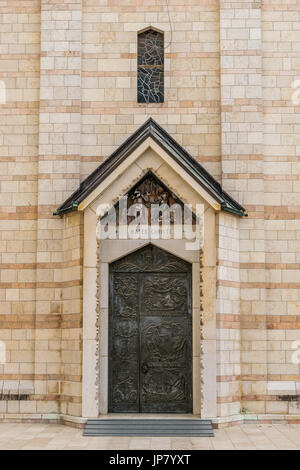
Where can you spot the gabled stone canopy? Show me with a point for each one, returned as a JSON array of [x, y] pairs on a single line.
[[151, 129]]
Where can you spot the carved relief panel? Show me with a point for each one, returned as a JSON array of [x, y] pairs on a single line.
[[150, 364]]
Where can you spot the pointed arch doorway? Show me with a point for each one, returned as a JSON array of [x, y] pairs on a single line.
[[150, 333]]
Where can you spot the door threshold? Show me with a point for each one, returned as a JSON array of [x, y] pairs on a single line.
[[149, 416]]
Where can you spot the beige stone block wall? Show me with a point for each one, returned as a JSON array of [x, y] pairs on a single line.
[[243, 172], [281, 65], [110, 112], [259, 64], [228, 316], [19, 76], [71, 322], [59, 250]]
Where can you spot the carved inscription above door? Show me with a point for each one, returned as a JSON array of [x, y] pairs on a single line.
[[150, 333]]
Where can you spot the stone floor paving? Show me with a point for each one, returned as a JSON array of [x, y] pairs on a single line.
[[243, 437]]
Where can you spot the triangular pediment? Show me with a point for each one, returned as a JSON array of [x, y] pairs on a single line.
[[150, 191], [150, 132]]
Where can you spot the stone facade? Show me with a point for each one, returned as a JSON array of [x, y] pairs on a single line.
[[69, 68]]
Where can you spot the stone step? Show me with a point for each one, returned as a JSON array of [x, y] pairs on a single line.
[[149, 427]]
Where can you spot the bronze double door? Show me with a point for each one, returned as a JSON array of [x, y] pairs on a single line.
[[150, 334]]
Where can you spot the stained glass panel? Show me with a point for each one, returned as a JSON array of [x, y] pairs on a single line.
[[150, 67]]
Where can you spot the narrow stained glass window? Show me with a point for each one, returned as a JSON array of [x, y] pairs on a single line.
[[150, 82]]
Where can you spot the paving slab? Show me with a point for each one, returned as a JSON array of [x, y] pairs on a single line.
[[58, 437]]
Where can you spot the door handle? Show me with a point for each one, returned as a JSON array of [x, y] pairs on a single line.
[[145, 367]]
